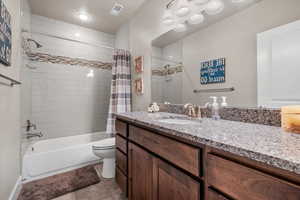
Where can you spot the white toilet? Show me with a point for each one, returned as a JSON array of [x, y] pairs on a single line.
[[106, 149]]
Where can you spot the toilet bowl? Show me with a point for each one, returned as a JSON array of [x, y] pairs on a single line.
[[105, 149]]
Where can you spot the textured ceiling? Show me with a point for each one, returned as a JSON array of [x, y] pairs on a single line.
[[99, 11]]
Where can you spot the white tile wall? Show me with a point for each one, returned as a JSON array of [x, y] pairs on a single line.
[[167, 88], [64, 101]]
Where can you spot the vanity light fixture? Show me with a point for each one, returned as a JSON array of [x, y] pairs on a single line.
[[214, 7], [201, 2], [196, 19], [181, 13], [238, 1], [183, 8], [168, 18], [180, 27]]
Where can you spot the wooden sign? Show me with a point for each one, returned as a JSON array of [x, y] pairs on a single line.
[[212, 71], [5, 35], [139, 64], [139, 86]]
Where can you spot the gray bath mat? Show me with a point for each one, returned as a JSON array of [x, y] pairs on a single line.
[[58, 185]]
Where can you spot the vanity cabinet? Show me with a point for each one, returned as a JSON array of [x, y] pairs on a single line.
[[122, 156], [151, 178], [140, 173], [171, 183], [163, 167], [242, 182]]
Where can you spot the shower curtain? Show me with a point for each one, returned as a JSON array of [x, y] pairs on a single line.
[[120, 99]]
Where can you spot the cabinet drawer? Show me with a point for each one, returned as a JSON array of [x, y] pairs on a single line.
[[121, 160], [212, 195], [241, 182], [121, 144], [121, 180], [121, 128], [182, 155]]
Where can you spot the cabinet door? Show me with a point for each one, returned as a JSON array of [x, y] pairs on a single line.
[[140, 173], [170, 183]]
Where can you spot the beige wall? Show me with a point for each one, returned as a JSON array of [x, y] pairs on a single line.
[[235, 39], [145, 27], [122, 37], [10, 112]]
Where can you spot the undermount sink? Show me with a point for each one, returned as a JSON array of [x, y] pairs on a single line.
[[179, 121]]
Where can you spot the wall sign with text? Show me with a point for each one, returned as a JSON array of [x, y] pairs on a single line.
[[212, 71], [5, 35]]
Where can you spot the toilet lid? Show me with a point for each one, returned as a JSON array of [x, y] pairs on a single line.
[[104, 144]]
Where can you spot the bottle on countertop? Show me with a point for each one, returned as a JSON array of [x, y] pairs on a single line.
[[224, 102], [215, 108]]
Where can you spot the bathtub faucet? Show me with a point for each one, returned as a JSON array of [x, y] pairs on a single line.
[[33, 135]]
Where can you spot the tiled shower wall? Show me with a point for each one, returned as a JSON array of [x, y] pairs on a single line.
[[167, 88], [65, 100]]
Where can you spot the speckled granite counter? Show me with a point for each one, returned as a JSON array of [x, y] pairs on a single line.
[[266, 144]]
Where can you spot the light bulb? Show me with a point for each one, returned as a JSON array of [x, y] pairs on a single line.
[[214, 7], [168, 18], [183, 8], [196, 19], [238, 1], [200, 2], [168, 22], [180, 27]]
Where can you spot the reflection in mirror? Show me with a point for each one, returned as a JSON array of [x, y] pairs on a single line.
[[167, 72]]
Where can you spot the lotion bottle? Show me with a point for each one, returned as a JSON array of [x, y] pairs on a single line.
[[215, 108]]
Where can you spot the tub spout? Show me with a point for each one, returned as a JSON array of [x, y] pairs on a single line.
[[33, 135]]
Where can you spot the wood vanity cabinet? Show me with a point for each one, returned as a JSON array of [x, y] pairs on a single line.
[[151, 178], [160, 167], [171, 183], [140, 173]]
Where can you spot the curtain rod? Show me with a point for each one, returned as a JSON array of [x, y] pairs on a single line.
[[68, 39]]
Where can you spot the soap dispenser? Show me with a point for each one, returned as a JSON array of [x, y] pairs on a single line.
[[215, 108], [224, 102]]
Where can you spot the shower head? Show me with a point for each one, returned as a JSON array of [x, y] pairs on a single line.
[[38, 45]]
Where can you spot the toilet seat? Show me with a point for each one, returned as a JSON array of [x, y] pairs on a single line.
[[105, 144]]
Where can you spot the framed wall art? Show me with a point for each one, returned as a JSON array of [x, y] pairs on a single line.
[[5, 35], [139, 86], [213, 71], [139, 64]]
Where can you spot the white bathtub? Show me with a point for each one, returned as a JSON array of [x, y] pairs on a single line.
[[49, 157]]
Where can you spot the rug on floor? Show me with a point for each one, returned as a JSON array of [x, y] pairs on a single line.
[[60, 184]]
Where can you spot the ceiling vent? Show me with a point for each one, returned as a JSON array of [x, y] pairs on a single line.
[[117, 9]]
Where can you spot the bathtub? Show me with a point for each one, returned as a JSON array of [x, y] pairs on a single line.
[[49, 157]]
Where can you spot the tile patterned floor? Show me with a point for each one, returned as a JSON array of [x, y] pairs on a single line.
[[107, 189]]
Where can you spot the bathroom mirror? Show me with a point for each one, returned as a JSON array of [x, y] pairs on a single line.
[[261, 64], [167, 71]]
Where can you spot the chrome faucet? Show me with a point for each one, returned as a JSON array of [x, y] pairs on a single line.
[[192, 111], [33, 135], [30, 125]]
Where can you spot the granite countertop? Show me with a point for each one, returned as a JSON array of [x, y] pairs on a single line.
[[266, 144]]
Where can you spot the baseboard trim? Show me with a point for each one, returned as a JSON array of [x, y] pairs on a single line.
[[16, 190]]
